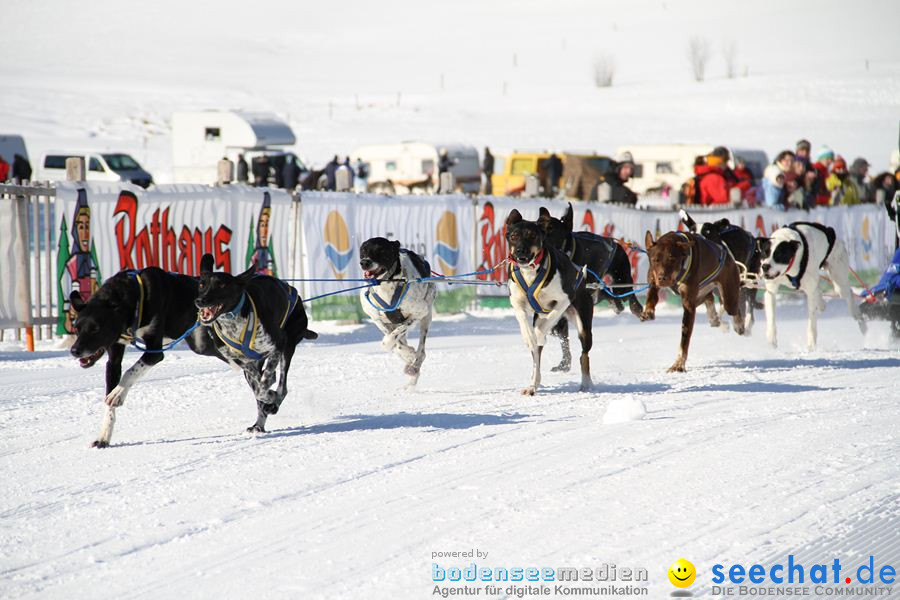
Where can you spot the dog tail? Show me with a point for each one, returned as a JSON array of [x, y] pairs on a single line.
[[687, 220], [309, 334]]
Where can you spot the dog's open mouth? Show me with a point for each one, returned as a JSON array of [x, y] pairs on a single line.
[[208, 314], [376, 272], [88, 361]]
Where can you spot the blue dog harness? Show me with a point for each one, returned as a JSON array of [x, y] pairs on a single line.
[[244, 345], [392, 309]]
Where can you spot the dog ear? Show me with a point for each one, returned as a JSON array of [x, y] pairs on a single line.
[[514, 217], [247, 275], [396, 244], [206, 264], [762, 245], [648, 240], [544, 213], [568, 219], [76, 301], [723, 223]]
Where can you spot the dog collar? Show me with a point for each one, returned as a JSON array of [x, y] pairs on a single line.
[[538, 258], [131, 334], [532, 290]]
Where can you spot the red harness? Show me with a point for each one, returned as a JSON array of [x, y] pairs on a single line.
[[535, 261]]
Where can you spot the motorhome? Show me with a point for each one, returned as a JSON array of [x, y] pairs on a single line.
[[201, 139], [412, 167], [661, 165], [10, 145]]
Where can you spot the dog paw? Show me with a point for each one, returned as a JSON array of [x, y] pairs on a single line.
[[256, 429], [100, 444], [648, 315], [714, 323], [411, 370], [562, 367], [617, 306], [529, 391], [116, 397], [586, 386], [636, 308], [678, 367]]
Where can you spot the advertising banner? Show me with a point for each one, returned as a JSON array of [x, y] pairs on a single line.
[[440, 228], [105, 228]]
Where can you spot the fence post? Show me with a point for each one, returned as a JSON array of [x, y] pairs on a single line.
[[342, 179], [75, 168], [532, 186], [224, 172], [447, 183]]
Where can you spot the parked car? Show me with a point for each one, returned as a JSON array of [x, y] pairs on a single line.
[[511, 170], [10, 145], [412, 167], [106, 166]]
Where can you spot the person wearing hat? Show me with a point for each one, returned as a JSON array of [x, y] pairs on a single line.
[[612, 188], [840, 185], [710, 180], [802, 152], [824, 159], [859, 172]]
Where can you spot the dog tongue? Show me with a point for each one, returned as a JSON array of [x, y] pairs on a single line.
[[206, 313]]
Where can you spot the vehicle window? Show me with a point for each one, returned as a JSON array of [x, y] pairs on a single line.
[[638, 170], [212, 134], [55, 161], [664, 168], [121, 162], [390, 165], [94, 165], [521, 166], [499, 163], [428, 166], [601, 164]]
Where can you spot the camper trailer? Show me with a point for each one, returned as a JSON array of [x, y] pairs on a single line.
[[412, 167], [672, 164], [201, 139]]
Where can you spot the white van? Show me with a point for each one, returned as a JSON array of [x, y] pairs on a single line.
[[412, 167], [99, 166], [673, 164]]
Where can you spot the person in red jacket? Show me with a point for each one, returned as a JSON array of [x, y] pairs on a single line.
[[824, 158], [4, 170], [712, 186]]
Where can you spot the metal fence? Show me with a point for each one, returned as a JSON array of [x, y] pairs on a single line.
[[34, 259]]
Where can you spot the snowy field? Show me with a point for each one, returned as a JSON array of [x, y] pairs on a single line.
[[754, 451]]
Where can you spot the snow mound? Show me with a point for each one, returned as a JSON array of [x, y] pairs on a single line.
[[626, 408]]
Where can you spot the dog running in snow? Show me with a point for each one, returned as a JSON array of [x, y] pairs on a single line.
[[256, 322], [149, 305], [396, 304], [692, 266], [792, 257], [743, 248], [602, 255], [543, 286]]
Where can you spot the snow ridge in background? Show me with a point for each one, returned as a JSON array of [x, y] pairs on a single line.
[[108, 74]]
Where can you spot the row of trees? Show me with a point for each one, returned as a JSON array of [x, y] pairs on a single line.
[[698, 54]]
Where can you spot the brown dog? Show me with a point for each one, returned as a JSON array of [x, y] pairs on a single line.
[[693, 267]]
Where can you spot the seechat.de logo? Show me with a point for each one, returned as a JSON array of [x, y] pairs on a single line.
[[337, 244], [447, 247], [682, 573]]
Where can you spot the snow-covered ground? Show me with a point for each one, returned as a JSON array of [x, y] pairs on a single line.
[[754, 451]]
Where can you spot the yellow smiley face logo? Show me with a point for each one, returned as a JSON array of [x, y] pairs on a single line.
[[682, 573]]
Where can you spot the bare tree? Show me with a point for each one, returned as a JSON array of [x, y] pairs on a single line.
[[729, 53], [698, 54], [604, 69]]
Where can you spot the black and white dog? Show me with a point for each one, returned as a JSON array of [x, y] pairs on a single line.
[[543, 286], [792, 256], [743, 248], [150, 305], [602, 255], [396, 304], [256, 322]]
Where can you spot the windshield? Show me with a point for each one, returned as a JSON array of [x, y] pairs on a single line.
[[121, 162]]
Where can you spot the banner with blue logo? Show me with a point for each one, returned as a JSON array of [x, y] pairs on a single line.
[[440, 228]]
